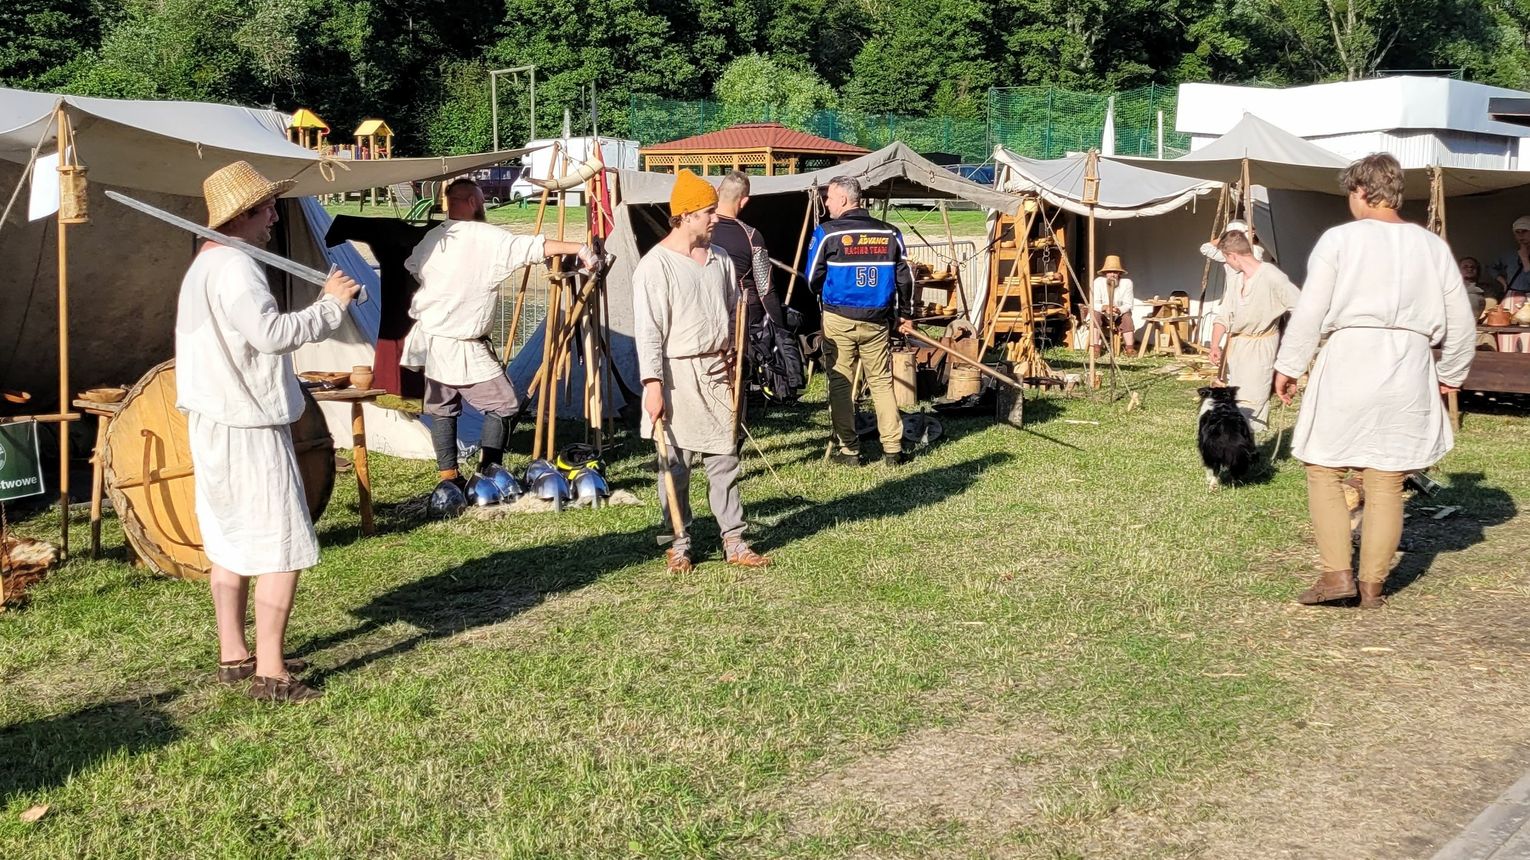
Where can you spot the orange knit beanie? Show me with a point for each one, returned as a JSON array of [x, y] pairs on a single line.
[[690, 194]]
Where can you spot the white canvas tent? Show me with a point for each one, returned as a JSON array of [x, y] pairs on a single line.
[[125, 268], [777, 208], [1155, 221], [1276, 159]]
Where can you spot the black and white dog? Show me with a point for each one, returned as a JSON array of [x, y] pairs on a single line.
[[1225, 438]]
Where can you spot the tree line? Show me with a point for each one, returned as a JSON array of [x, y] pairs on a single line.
[[423, 64]]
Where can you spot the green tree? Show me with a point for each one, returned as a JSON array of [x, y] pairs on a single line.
[[754, 84], [41, 40], [924, 56]]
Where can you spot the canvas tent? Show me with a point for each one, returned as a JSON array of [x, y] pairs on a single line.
[[125, 268], [777, 206], [1154, 221]]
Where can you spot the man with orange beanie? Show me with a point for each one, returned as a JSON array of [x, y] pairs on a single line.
[[684, 298]]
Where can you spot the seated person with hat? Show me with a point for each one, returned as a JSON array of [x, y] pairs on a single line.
[[1113, 300]]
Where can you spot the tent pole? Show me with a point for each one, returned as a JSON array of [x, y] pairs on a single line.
[[1216, 226], [1437, 200], [65, 141], [961, 289], [555, 370], [807, 218], [1091, 197], [1248, 198]]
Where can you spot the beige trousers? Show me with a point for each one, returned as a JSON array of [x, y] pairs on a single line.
[[1380, 529], [844, 342]]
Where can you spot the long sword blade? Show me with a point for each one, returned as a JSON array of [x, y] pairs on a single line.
[[312, 276]]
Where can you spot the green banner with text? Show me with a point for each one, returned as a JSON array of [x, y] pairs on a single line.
[[20, 466]]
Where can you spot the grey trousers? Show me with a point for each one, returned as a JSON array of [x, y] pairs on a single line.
[[722, 493]]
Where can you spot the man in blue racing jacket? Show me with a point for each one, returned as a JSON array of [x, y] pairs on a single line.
[[857, 267]]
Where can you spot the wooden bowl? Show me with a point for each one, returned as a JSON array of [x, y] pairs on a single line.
[[332, 378], [103, 395]]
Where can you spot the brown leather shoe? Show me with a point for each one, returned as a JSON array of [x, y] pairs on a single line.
[[740, 554], [1332, 585], [234, 671], [677, 561], [288, 690], [1370, 595]]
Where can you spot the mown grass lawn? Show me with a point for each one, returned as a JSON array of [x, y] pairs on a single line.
[[537, 686]]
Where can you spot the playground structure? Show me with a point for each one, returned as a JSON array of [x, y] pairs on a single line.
[[373, 140]]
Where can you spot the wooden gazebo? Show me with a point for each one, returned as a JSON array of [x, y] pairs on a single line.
[[765, 148]]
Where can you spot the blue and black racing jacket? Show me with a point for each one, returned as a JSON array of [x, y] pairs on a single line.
[[856, 264]]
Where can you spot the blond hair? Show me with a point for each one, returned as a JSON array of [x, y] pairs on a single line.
[[1236, 242], [1379, 179]]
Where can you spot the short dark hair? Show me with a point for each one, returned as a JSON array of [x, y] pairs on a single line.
[[1379, 179], [459, 182]]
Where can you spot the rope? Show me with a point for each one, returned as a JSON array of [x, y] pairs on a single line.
[[31, 161]]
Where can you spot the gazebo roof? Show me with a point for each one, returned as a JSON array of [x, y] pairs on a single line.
[[758, 136], [374, 126], [305, 118]]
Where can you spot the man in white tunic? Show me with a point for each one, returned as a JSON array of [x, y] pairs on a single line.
[[1114, 296], [1384, 292], [460, 265], [1249, 319], [235, 383], [684, 298]]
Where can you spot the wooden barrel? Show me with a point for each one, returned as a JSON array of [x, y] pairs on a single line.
[[964, 380], [158, 515], [905, 378]]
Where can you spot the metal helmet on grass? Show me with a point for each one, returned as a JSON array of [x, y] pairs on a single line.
[[482, 491], [537, 469], [446, 501], [590, 487], [552, 487], [509, 485]]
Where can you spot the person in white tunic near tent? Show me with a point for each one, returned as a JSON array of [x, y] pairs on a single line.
[[234, 381], [460, 265], [1249, 319], [684, 298], [1384, 292]]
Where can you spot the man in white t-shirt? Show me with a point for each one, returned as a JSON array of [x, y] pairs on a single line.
[[1113, 300], [460, 265], [235, 383]]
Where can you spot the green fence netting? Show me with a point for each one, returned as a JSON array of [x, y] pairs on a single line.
[[1040, 122]]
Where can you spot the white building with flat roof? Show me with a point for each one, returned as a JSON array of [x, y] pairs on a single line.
[[1422, 121]]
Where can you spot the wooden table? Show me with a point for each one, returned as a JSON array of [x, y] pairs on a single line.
[[357, 397], [104, 412], [1495, 372]]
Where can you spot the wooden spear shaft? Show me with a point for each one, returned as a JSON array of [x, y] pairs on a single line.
[[676, 521], [65, 140], [739, 317], [520, 294], [807, 219], [922, 338]]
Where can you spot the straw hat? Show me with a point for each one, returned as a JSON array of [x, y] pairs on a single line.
[[236, 189], [1112, 264]]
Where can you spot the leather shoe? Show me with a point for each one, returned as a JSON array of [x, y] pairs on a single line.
[[1332, 585], [740, 554], [677, 561], [844, 458], [1370, 595]]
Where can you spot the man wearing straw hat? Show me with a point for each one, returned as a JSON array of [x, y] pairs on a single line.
[[684, 298], [460, 265], [235, 383], [1113, 300]]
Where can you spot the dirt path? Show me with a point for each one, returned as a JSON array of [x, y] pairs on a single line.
[[1424, 719]]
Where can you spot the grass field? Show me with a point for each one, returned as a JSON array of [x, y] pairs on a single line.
[[1050, 642], [967, 223]]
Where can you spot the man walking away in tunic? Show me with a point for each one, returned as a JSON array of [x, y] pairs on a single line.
[[235, 383], [1384, 292], [684, 298], [1250, 318], [858, 266], [460, 266]]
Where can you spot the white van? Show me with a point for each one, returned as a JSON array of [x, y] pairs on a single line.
[[617, 153]]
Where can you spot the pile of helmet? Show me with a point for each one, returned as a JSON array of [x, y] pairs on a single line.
[[578, 476]]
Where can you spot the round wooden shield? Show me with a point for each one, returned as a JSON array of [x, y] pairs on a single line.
[[147, 470]]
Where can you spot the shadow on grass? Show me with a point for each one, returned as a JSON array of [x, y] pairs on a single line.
[[43, 754], [498, 587], [1426, 539]]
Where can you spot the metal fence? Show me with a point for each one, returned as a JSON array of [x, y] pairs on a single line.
[[972, 266]]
